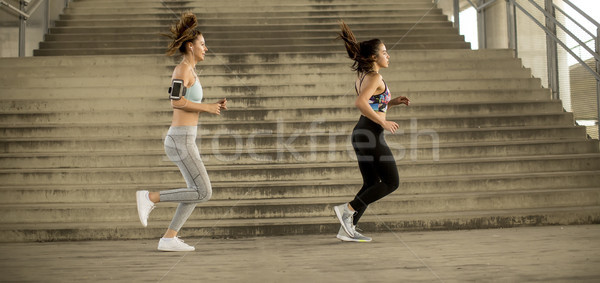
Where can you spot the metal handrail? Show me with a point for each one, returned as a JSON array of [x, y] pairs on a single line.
[[574, 21], [24, 14], [14, 9], [550, 17], [586, 42], [556, 39], [586, 16], [482, 7]]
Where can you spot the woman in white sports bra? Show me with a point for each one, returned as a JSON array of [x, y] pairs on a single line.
[[180, 142]]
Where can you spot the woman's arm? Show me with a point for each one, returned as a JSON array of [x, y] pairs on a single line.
[[186, 105], [368, 89], [185, 73], [399, 100]]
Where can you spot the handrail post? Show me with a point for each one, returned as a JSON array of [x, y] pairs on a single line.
[[456, 10], [552, 52], [22, 27], [511, 22], [481, 34], [598, 81], [46, 21]]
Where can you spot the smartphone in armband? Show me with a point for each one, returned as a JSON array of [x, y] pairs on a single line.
[[177, 90]]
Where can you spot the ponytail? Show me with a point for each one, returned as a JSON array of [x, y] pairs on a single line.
[[352, 46], [362, 53], [182, 32]]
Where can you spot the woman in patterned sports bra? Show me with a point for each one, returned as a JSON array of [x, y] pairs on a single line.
[[375, 160], [180, 141]]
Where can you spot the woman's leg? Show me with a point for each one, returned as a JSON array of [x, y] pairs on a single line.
[[376, 162], [370, 178], [180, 146]]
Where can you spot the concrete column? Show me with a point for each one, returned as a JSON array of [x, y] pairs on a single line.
[[481, 26], [495, 27], [22, 27], [551, 52]]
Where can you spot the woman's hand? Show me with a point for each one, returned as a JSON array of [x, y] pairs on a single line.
[[400, 100], [213, 108], [390, 126], [223, 103]]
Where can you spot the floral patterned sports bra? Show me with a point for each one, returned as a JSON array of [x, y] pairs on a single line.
[[378, 102]]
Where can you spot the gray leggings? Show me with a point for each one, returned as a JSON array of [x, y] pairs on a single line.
[[181, 148]]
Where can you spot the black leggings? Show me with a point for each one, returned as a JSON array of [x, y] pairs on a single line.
[[376, 163]]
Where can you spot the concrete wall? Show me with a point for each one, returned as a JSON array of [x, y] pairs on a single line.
[[447, 8]]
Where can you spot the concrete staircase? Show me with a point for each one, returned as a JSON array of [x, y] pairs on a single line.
[[482, 144]]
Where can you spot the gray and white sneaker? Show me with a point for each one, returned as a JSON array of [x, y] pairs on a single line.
[[358, 237], [345, 216], [174, 245], [144, 206]]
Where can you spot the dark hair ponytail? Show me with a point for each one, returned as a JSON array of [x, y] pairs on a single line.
[[362, 53], [182, 32]]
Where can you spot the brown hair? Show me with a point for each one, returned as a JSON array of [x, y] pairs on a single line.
[[183, 32], [361, 52]]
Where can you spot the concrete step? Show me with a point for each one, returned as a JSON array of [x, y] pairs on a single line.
[[151, 98], [224, 75], [252, 31], [254, 6], [155, 96], [417, 97], [238, 112], [212, 27], [231, 5], [303, 16], [251, 44], [227, 63], [287, 142], [295, 226], [300, 18], [286, 127], [282, 172], [55, 99], [424, 56], [304, 207], [167, 18], [323, 153], [118, 192], [303, 84], [289, 33], [235, 49], [357, 18], [415, 70]]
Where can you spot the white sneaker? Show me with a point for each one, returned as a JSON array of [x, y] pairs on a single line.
[[144, 206], [345, 216], [357, 237], [174, 245]]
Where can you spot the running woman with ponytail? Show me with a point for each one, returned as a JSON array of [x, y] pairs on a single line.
[[180, 142], [375, 160]]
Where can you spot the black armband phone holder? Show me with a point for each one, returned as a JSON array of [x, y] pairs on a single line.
[[177, 90]]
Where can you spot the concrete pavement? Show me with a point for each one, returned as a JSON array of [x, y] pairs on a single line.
[[544, 254]]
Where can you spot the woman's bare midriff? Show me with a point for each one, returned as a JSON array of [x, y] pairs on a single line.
[[184, 118]]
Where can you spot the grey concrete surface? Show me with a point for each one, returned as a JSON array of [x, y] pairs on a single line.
[[528, 254]]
